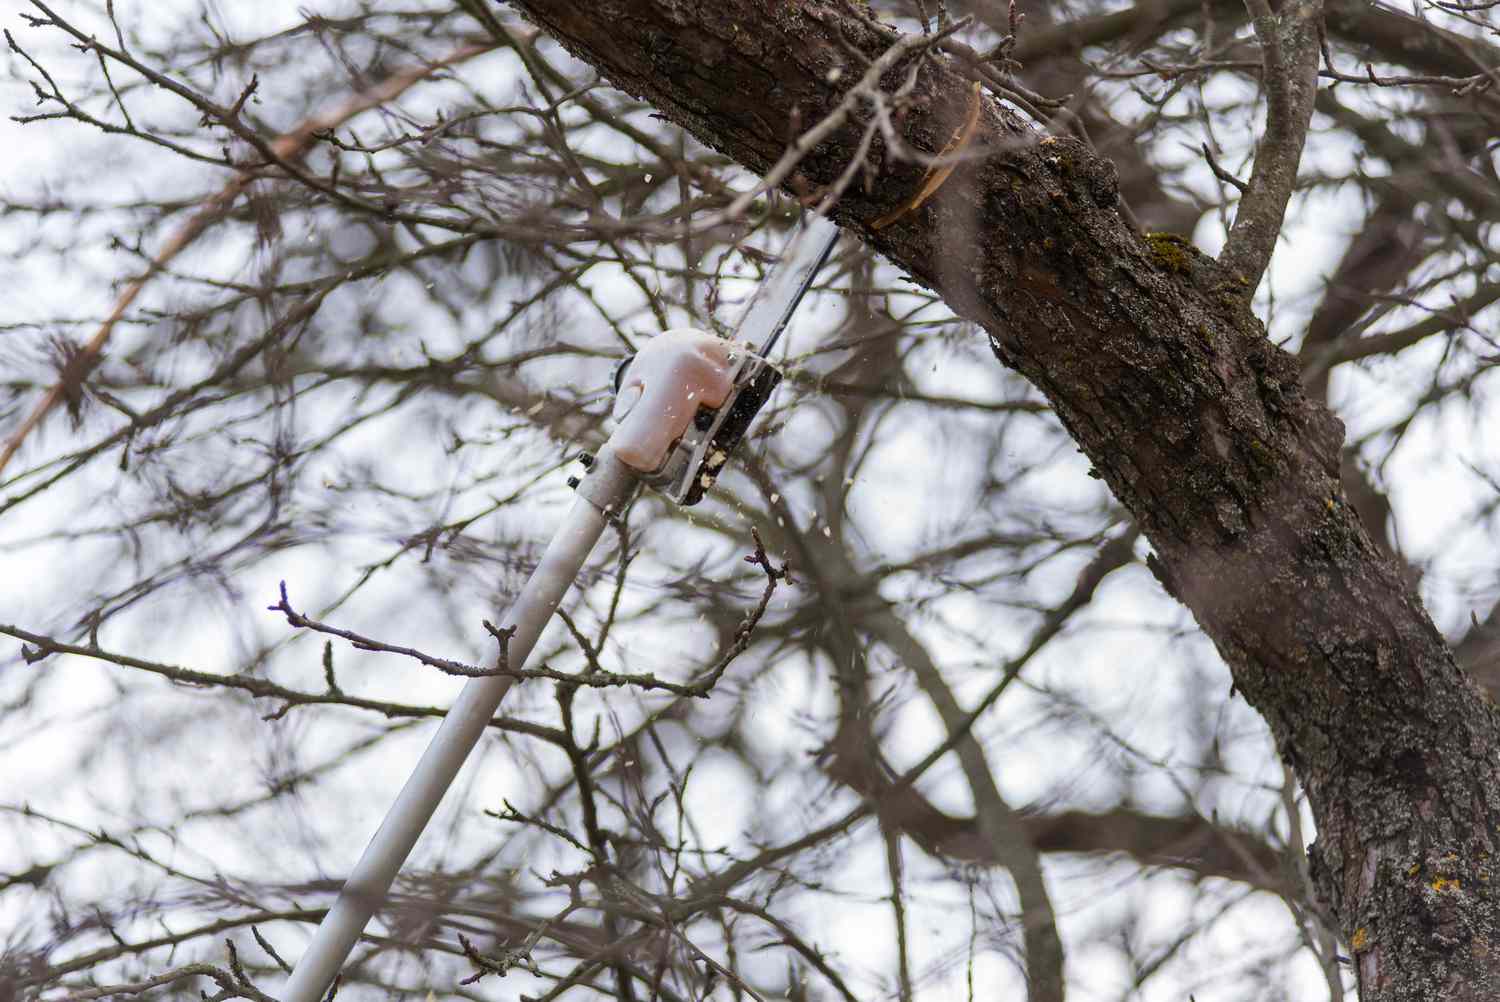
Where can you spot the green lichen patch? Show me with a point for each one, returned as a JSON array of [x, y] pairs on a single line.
[[1171, 252]]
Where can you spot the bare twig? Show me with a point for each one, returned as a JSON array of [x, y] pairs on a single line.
[[1220, 172], [287, 148], [230, 987], [265, 945], [41, 646], [363, 643], [594, 677]]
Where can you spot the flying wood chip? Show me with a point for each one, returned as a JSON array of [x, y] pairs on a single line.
[[943, 166]]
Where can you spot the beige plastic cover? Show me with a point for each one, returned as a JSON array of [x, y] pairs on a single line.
[[677, 372]]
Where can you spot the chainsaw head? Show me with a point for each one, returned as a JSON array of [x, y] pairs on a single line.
[[682, 405]]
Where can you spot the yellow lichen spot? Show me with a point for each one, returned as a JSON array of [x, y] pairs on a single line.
[[1361, 938], [1442, 884], [1414, 869], [1170, 251]]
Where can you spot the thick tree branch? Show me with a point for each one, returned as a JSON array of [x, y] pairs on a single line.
[[1479, 651], [997, 823], [1290, 51], [1149, 356], [1456, 317], [1048, 51], [1375, 30], [1381, 254]]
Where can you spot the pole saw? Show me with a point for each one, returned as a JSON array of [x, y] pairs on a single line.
[[682, 404]]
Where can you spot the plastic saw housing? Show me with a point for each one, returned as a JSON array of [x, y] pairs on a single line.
[[682, 405]]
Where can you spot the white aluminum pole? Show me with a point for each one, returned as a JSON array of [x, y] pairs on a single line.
[[367, 886], [670, 379]]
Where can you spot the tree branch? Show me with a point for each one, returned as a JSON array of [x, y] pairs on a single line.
[[1200, 426], [1290, 50]]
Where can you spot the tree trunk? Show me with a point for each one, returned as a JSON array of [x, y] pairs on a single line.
[[1151, 357]]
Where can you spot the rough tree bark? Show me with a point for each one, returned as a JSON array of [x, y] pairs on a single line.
[[1151, 357]]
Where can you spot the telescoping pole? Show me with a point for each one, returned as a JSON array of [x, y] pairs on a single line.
[[681, 406], [368, 885]]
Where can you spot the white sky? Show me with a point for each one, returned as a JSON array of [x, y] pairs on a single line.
[[1142, 677]]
